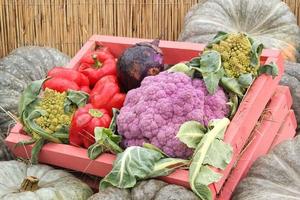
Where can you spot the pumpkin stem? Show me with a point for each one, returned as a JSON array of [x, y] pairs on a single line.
[[30, 183]]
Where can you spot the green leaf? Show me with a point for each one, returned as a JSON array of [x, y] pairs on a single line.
[[234, 103], [95, 150], [207, 176], [29, 96], [134, 164], [181, 67], [210, 61], [245, 80], [106, 141], [197, 169], [36, 150], [270, 69], [77, 98], [155, 148], [256, 51], [219, 154], [62, 135], [232, 85], [113, 123], [218, 38], [191, 133], [23, 143], [203, 192], [212, 80], [29, 122], [166, 166], [101, 134], [195, 62], [215, 122]]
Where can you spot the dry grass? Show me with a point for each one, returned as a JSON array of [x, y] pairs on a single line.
[[66, 24]]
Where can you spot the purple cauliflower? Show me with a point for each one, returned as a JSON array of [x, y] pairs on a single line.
[[154, 112]]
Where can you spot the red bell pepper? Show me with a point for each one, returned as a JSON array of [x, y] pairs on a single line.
[[106, 94], [62, 79], [96, 64], [60, 84], [83, 123], [69, 74]]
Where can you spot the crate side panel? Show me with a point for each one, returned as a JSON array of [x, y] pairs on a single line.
[[287, 131], [248, 114], [259, 144], [62, 155]]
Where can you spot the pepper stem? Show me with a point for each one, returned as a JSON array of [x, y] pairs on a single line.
[[97, 63], [30, 183], [95, 113]]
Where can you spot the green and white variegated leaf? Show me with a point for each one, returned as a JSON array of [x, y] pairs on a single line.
[[106, 141], [194, 62], [219, 154], [135, 163], [113, 123], [30, 95], [210, 61], [181, 67], [221, 132], [270, 69], [155, 148], [191, 133], [233, 103], [232, 85], [245, 80], [200, 175], [207, 176], [212, 80], [166, 166], [256, 51], [77, 98]]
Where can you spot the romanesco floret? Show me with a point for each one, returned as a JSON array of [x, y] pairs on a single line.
[[235, 52], [154, 112], [53, 103]]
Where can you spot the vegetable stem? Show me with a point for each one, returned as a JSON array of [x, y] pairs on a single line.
[[30, 183]]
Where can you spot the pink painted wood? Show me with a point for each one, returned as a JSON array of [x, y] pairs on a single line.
[[261, 141], [237, 134], [287, 131]]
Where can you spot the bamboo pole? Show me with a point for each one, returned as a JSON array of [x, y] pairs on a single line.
[[67, 24]]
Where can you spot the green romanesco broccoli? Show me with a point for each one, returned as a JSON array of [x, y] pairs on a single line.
[[235, 53], [55, 117]]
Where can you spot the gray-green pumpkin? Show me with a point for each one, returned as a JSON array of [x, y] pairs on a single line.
[[146, 190], [275, 176], [291, 78], [270, 22], [19, 181], [17, 70]]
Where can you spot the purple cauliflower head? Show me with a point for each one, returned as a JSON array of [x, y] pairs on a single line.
[[154, 112]]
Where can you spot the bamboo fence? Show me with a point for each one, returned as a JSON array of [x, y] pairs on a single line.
[[67, 24]]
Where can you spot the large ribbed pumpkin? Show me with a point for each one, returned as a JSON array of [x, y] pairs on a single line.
[[146, 190], [291, 78], [20, 67], [268, 21], [19, 181], [275, 176]]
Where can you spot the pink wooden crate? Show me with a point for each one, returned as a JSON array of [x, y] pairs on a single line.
[[238, 131], [287, 130], [263, 135]]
